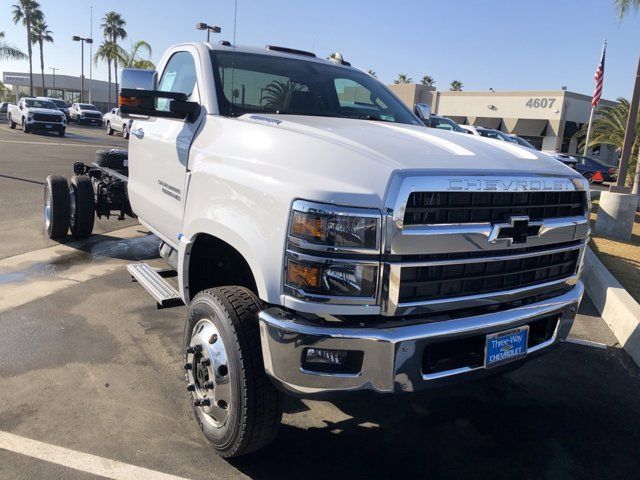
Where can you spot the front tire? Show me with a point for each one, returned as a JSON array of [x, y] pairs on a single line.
[[61, 133], [25, 128], [125, 131], [12, 124], [83, 208], [235, 404], [109, 129], [57, 206]]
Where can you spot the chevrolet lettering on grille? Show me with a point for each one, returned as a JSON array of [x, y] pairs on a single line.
[[499, 185]]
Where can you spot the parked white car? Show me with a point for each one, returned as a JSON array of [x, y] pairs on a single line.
[[327, 245], [85, 113], [35, 114], [115, 123]]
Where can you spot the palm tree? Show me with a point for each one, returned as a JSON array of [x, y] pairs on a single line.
[[276, 93], [608, 128], [402, 78], [428, 81], [113, 28], [107, 51], [27, 12], [132, 58], [40, 33], [9, 52], [624, 6], [373, 73], [455, 86]]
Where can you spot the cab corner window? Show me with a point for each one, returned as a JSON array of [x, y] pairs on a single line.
[[178, 76]]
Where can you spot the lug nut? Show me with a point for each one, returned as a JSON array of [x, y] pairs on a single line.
[[190, 349], [208, 385], [197, 402], [205, 402], [213, 338], [206, 362], [188, 366], [191, 387], [197, 348]]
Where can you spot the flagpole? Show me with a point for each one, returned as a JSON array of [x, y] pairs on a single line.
[[593, 107]]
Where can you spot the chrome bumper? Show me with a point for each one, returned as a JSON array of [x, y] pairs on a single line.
[[392, 360]]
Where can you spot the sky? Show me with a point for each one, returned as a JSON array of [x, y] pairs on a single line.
[[504, 45]]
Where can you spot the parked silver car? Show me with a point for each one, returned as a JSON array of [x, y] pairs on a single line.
[[115, 123]]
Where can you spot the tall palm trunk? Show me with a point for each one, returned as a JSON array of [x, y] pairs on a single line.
[[30, 52], [109, 80], [40, 44], [115, 64]]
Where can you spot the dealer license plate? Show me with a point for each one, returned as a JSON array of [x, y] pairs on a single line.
[[504, 347], [47, 125]]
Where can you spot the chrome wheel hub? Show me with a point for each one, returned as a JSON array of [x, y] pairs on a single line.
[[47, 208], [208, 373]]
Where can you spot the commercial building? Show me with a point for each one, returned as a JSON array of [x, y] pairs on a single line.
[[66, 87], [546, 119]]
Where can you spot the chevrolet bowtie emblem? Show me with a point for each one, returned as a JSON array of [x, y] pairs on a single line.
[[515, 231]]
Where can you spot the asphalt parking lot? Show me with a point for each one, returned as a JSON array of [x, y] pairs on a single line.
[[91, 377]]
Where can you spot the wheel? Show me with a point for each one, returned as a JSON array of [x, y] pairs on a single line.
[[125, 131], [25, 128], [589, 177], [82, 206], [12, 124], [57, 206], [61, 133], [236, 406], [109, 129], [114, 158]]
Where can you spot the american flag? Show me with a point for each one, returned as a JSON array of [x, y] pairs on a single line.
[[599, 78]]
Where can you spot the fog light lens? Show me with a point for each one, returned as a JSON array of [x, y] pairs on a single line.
[[324, 360], [331, 357]]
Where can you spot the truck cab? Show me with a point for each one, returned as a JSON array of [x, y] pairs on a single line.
[[326, 241]]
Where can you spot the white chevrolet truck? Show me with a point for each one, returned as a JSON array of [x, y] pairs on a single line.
[[35, 114], [323, 239]]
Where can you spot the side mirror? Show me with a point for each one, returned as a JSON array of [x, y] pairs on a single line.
[[423, 111], [144, 102], [139, 79]]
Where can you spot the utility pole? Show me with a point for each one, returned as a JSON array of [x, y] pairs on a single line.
[[628, 138], [91, 56], [53, 69]]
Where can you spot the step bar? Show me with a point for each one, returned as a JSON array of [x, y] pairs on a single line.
[[153, 282]]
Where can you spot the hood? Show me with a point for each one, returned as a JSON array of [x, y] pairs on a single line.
[[48, 111], [400, 146]]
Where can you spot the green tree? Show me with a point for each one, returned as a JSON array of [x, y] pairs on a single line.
[[608, 128], [40, 33], [275, 94], [113, 29], [428, 81], [9, 52], [27, 12], [107, 52], [624, 6], [402, 79], [455, 86], [133, 58]]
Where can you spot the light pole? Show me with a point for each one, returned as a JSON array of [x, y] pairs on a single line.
[[208, 28], [82, 41], [53, 69]]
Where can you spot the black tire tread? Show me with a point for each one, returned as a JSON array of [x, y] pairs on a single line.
[[261, 425], [82, 227], [113, 158], [60, 209]]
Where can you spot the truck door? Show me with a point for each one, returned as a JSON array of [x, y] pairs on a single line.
[[159, 153]]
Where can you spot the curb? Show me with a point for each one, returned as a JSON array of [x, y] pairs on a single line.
[[618, 309]]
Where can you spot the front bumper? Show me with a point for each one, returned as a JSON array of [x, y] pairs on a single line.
[[91, 121], [47, 126], [393, 357]]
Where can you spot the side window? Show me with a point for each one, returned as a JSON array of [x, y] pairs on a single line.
[[179, 75]]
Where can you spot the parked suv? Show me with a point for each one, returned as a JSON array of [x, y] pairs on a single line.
[[85, 113], [61, 104]]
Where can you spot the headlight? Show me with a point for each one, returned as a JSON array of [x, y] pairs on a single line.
[[331, 228], [333, 279]]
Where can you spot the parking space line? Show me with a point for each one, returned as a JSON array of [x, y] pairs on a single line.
[[586, 343], [59, 144], [84, 462]]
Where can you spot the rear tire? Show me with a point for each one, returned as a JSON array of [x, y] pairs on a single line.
[[114, 159], [82, 215], [109, 129], [246, 409], [57, 206], [12, 124], [589, 177]]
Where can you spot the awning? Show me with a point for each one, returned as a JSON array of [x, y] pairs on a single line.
[[486, 122], [527, 127]]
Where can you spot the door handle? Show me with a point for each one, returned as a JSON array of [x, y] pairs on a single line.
[[137, 132]]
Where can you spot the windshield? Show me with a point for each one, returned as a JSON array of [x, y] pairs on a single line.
[[86, 106], [31, 103], [60, 103], [445, 123], [271, 84], [523, 142]]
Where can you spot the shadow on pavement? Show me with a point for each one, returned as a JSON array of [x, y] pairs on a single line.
[[571, 414]]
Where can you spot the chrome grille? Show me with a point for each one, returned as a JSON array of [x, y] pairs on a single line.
[[47, 117], [439, 208], [445, 280]]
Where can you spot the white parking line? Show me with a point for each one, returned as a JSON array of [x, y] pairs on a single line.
[[586, 343], [60, 144], [81, 461]]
